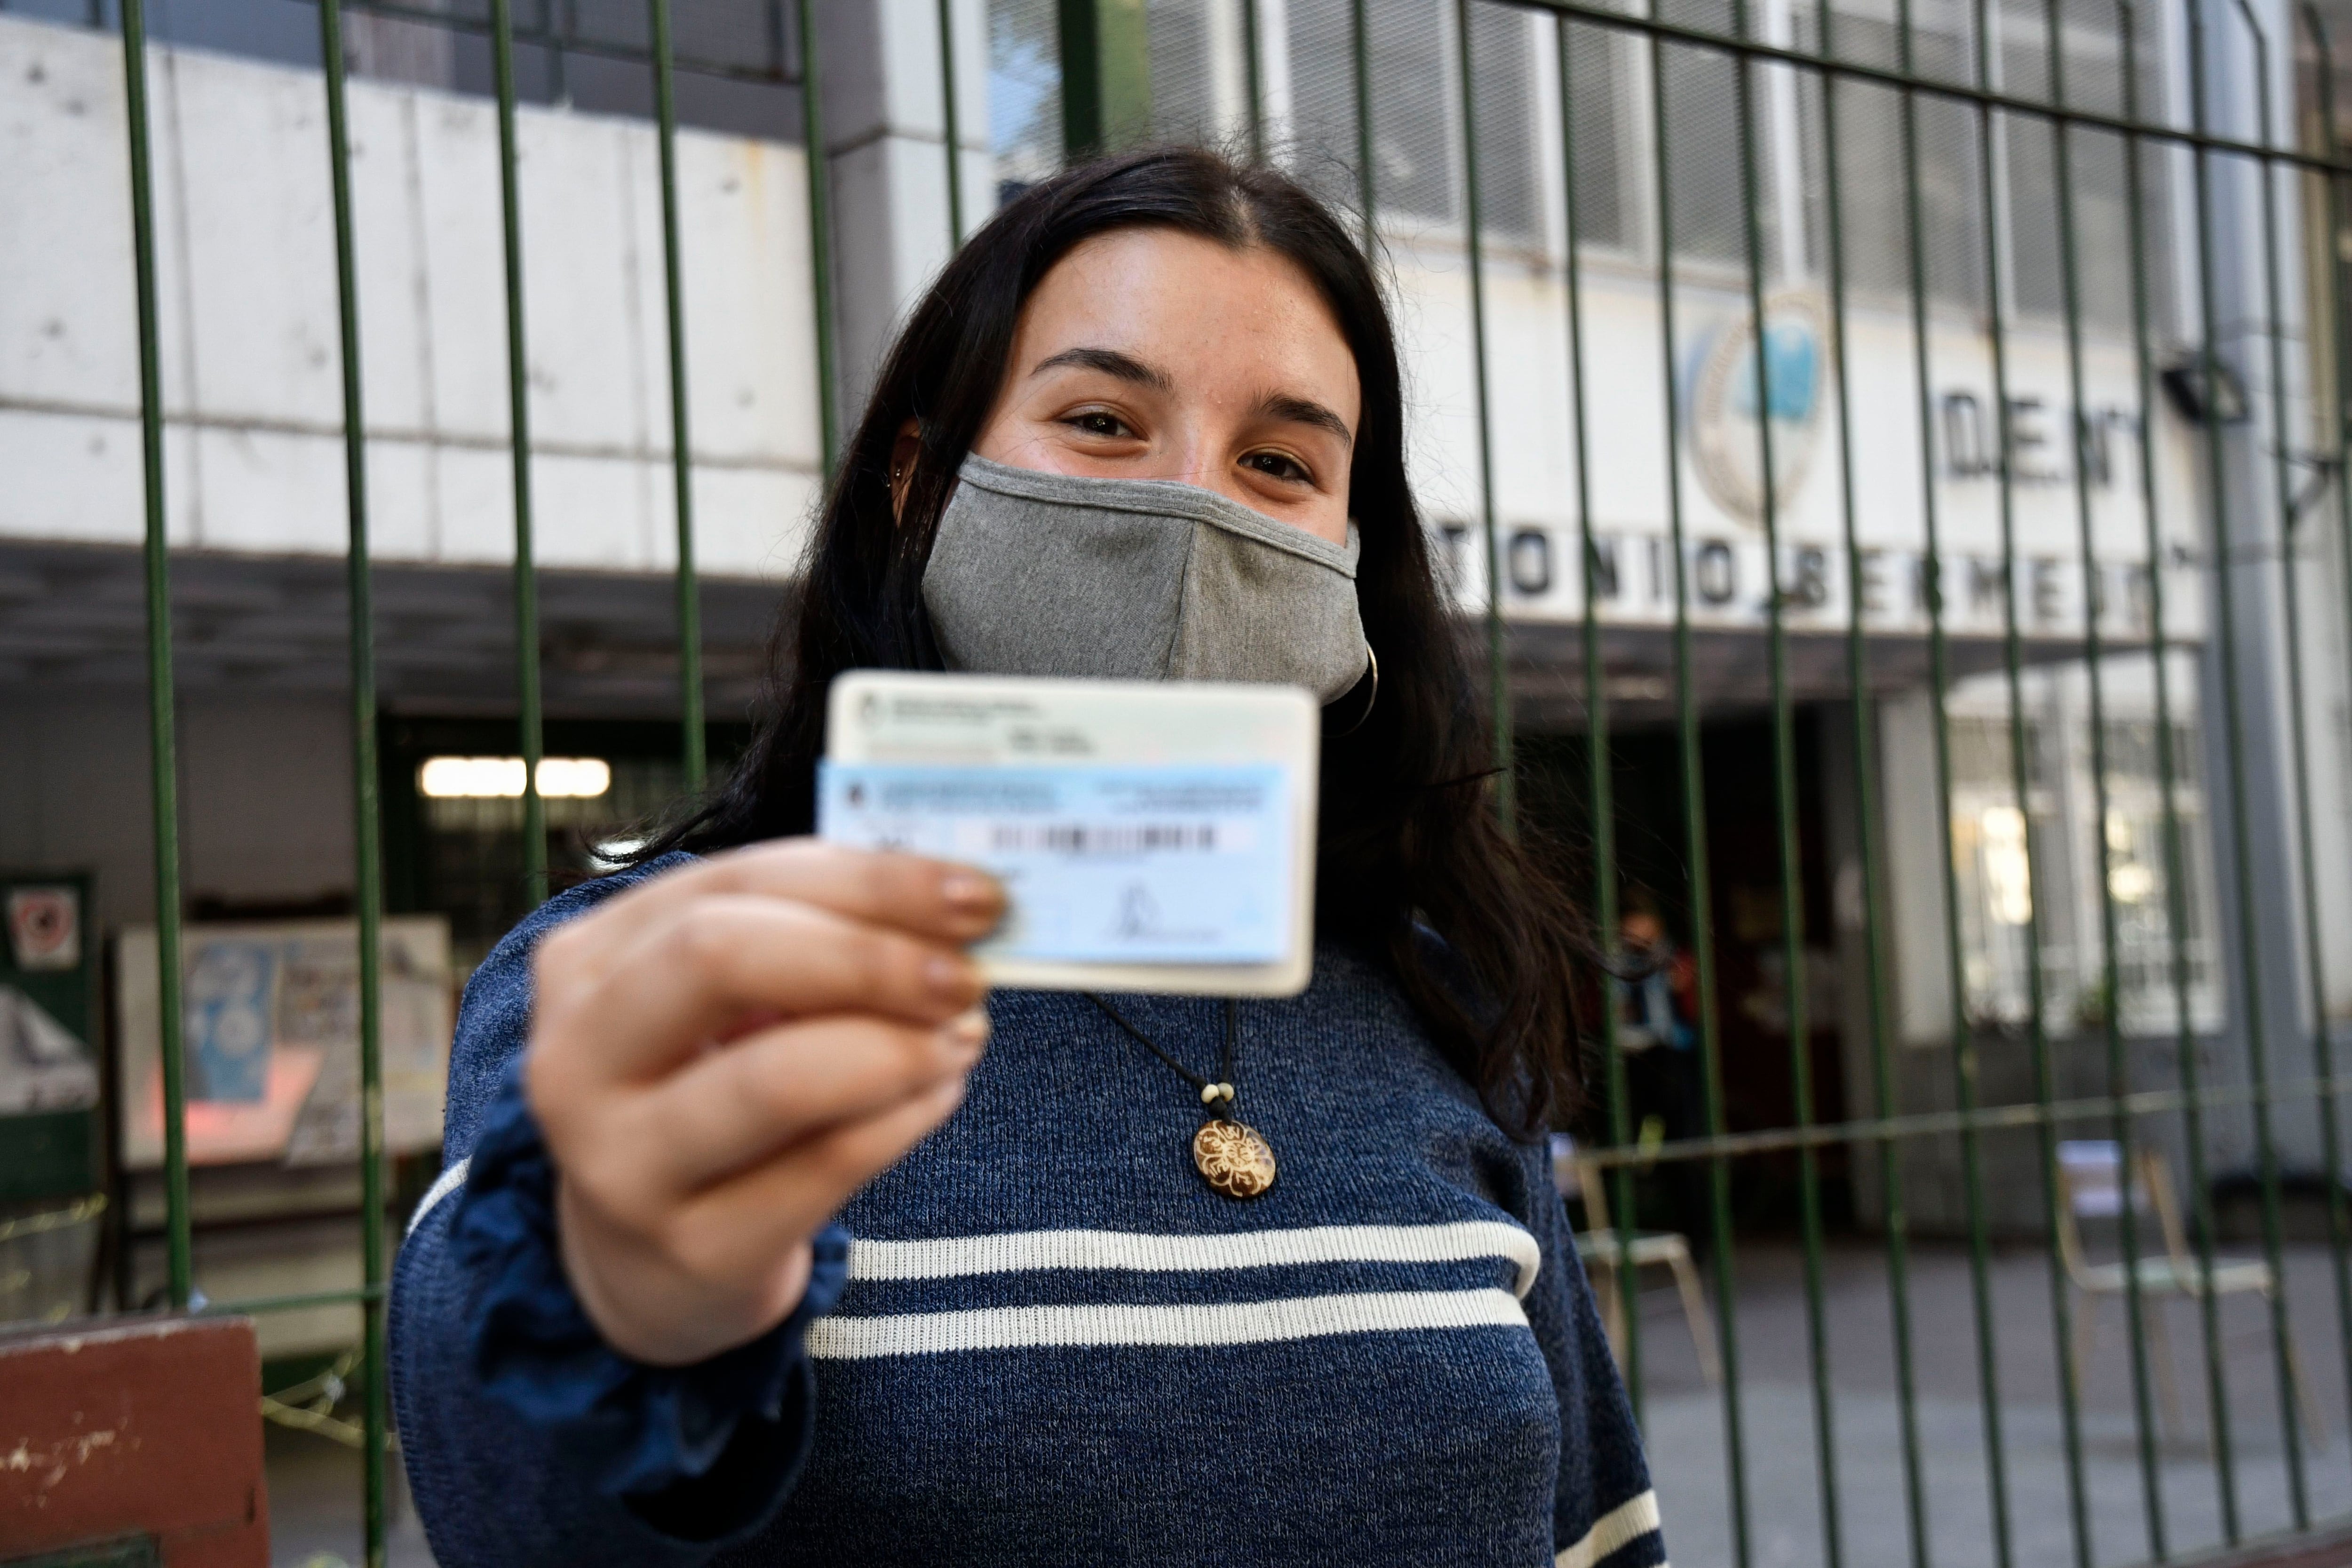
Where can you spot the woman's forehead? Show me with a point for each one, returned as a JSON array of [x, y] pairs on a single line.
[[1190, 306]]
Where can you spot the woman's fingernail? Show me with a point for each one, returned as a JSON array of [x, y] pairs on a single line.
[[968, 1031], [948, 977], [968, 892]]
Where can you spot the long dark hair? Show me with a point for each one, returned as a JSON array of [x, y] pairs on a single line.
[[1412, 865]]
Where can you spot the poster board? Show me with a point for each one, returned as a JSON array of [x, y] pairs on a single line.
[[270, 1035], [48, 1018]]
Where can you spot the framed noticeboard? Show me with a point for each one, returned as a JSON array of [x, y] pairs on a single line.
[[271, 1040], [49, 1143]]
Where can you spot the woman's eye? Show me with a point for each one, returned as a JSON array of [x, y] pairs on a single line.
[[1275, 464], [1100, 423]]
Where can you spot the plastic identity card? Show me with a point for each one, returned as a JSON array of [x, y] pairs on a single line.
[[1151, 836]]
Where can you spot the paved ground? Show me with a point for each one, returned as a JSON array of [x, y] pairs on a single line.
[[314, 1507], [315, 1488], [1683, 1419]]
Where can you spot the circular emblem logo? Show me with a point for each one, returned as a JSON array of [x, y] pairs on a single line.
[[1727, 410]]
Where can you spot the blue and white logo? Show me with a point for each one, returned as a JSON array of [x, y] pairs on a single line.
[[1726, 434]]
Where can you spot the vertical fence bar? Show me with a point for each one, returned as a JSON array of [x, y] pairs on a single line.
[[2290, 512], [526, 566], [2283, 481], [2340, 267], [1253, 78], [1784, 811], [2224, 551], [691, 745], [2119, 1124], [1695, 845], [161, 721], [554, 28], [2037, 1031], [367, 836], [1865, 812], [2340, 320], [820, 237], [2176, 853], [1497, 646], [950, 113], [1963, 1049], [1601, 804], [1360, 43]]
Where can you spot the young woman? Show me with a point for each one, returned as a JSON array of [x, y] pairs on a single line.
[[766, 1239]]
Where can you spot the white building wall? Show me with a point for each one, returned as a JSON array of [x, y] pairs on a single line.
[[265, 794], [1626, 391], [886, 144], [246, 294], [252, 388]]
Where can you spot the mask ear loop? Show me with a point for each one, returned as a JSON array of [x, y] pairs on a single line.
[[1371, 673]]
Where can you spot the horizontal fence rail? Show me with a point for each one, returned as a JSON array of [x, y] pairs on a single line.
[[2269, 502]]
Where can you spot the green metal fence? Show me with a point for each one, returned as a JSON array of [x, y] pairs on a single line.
[[372, 1296], [2295, 181]]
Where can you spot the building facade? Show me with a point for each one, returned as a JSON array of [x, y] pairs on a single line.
[[1936, 420]]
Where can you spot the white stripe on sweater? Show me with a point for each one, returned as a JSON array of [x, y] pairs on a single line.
[[1225, 1324], [1012, 1252], [1613, 1532], [448, 1182]]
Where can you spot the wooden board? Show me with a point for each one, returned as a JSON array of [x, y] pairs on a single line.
[[146, 1429]]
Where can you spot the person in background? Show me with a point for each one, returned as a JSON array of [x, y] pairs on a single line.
[[1659, 1006], [1656, 999]]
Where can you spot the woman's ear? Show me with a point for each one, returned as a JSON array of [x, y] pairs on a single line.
[[903, 453]]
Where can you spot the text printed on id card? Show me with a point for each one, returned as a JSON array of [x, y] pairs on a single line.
[[1102, 863]]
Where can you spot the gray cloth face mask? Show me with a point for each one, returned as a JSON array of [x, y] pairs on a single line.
[[1035, 573]]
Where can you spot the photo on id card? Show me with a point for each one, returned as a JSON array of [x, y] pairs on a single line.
[[1151, 835]]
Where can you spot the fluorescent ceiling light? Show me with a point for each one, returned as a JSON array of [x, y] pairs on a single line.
[[500, 778]]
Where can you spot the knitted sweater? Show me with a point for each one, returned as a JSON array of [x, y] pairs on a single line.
[[1041, 1338]]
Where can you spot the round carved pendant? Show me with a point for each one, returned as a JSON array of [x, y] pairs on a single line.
[[1232, 1158]]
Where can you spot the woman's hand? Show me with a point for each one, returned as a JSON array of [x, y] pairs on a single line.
[[720, 1057]]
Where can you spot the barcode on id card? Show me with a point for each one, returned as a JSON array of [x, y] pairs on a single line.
[[1115, 837]]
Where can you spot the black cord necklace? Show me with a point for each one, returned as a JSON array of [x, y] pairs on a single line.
[[1231, 1155]]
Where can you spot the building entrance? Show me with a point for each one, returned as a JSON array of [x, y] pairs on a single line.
[[1744, 907]]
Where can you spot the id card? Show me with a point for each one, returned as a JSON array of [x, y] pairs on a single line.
[[1150, 837]]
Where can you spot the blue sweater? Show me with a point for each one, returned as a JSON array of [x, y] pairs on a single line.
[[1041, 1339]]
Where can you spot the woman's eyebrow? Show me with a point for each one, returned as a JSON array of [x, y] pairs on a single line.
[[1304, 411], [1111, 361]]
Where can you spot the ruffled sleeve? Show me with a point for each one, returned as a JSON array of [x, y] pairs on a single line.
[[525, 1438], [533, 1346]]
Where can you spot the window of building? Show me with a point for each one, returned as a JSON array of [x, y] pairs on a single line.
[[1199, 78], [1873, 185], [1412, 144], [738, 60], [1417, 149], [1025, 91], [1323, 130], [1704, 199], [2040, 866], [1602, 106], [1502, 61], [1951, 137], [1412, 50]]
